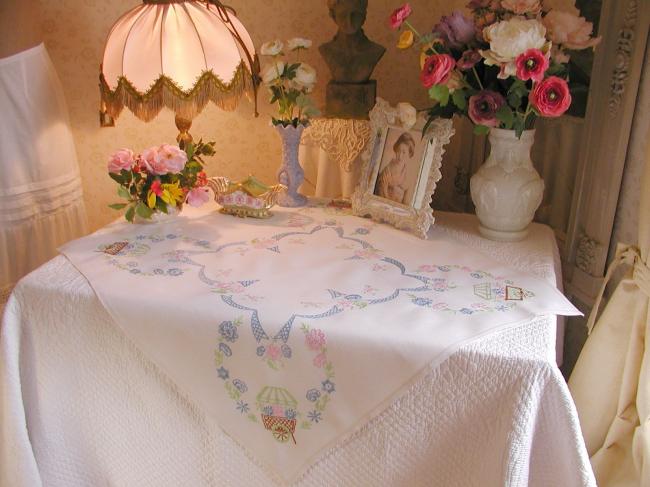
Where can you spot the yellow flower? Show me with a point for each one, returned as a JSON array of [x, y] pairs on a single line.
[[423, 54], [172, 194], [405, 40]]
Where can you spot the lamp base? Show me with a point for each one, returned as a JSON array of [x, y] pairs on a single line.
[[183, 125]]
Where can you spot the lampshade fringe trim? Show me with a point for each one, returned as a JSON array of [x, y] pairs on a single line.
[[164, 92]]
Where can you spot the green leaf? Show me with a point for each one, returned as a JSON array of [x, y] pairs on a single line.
[[130, 213], [117, 206], [143, 210], [506, 116], [440, 93], [116, 177], [123, 192], [459, 98], [481, 130]]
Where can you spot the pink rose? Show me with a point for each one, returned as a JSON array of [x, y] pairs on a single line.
[[398, 17], [483, 107], [315, 339], [468, 60], [569, 30], [532, 64], [320, 360], [175, 158], [122, 159], [551, 97], [437, 70], [151, 162], [198, 197]]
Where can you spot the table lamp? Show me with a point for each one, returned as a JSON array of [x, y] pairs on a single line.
[[178, 54]]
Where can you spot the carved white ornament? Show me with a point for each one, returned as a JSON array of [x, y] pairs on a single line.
[[624, 50], [365, 203]]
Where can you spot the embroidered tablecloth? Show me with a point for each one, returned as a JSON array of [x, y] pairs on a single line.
[[293, 331]]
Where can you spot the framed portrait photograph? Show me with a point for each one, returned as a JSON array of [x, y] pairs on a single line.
[[401, 169]]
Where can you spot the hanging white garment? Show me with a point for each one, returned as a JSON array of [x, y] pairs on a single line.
[[41, 204]]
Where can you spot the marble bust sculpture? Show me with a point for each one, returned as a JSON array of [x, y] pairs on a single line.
[[351, 58]]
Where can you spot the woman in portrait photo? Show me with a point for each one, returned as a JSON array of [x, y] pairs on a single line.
[[392, 180]]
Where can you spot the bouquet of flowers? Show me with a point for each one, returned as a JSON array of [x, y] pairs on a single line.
[[290, 82], [160, 179], [503, 66]]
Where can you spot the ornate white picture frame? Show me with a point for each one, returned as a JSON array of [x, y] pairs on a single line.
[[397, 192]]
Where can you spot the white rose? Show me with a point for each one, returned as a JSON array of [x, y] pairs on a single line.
[[298, 43], [510, 38], [521, 7], [569, 30], [407, 114], [273, 72], [305, 76], [272, 48]]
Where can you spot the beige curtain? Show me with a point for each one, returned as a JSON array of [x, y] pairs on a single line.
[[611, 380]]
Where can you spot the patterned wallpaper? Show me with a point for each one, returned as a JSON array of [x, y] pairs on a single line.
[[75, 31]]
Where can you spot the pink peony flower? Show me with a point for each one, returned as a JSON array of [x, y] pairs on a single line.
[[437, 69], [198, 197], [320, 360], [122, 159], [468, 60], [315, 339], [455, 30], [151, 162], [569, 30], [483, 107], [551, 97], [532, 64], [398, 17], [156, 188]]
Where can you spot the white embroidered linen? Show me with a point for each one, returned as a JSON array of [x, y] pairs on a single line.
[[293, 331]]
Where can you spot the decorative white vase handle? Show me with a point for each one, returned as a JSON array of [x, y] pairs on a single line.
[[291, 173], [507, 190]]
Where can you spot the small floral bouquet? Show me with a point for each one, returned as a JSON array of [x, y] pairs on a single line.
[[290, 82], [503, 66], [161, 179]]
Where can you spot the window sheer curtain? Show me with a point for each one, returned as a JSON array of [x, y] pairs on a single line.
[[611, 380]]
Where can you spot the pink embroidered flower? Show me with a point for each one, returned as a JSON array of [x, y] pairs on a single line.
[[427, 268], [532, 64], [156, 188], [551, 97], [468, 60], [398, 17], [437, 70], [315, 339], [198, 197], [483, 107], [278, 410], [320, 360], [273, 352], [119, 160]]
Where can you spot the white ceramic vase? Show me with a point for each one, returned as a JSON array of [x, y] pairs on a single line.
[[507, 190]]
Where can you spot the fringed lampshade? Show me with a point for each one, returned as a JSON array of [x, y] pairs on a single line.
[[178, 54]]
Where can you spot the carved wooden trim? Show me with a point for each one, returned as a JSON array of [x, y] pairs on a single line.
[[610, 111], [624, 50]]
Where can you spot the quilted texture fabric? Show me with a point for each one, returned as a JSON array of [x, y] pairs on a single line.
[[80, 405]]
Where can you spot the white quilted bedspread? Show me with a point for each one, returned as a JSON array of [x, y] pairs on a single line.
[[81, 406]]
